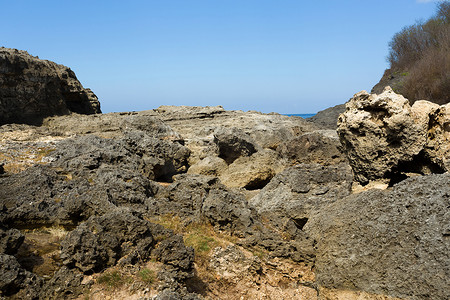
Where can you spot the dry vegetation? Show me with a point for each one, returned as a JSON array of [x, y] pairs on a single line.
[[422, 52]]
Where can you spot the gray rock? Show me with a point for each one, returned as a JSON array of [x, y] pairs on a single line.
[[393, 242], [174, 253], [295, 195], [327, 118], [32, 89], [101, 241], [66, 283], [197, 125], [321, 146], [136, 151], [14, 280], [228, 210], [10, 240]]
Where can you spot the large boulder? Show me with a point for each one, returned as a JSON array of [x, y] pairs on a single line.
[[384, 137], [293, 196], [32, 89], [391, 242]]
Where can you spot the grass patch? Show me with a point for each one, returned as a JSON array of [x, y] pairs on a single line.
[[113, 279], [200, 242], [147, 276]]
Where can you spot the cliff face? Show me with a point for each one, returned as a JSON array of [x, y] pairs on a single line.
[[32, 89]]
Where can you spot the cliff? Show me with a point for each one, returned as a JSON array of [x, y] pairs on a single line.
[[32, 89]]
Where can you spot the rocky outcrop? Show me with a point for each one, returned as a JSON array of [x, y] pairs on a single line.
[[32, 89], [327, 118], [384, 137], [206, 130], [395, 80], [393, 242]]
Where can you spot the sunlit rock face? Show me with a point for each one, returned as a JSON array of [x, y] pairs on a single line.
[[32, 89], [385, 137]]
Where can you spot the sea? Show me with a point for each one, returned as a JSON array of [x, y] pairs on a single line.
[[304, 116]]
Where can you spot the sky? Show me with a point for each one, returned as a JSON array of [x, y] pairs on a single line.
[[285, 56]]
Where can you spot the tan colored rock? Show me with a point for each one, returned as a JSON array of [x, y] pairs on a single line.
[[438, 142], [384, 136], [253, 172], [211, 165]]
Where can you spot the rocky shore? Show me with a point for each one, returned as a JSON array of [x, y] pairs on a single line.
[[203, 203]]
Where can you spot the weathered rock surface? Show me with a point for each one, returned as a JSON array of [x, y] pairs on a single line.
[[393, 242], [10, 240], [328, 118], [199, 125], [102, 241], [293, 196], [14, 278], [32, 89], [111, 125], [321, 146], [384, 137], [233, 143], [100, 182], [253, 172]]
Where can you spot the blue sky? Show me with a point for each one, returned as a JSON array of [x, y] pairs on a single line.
[[286, 56]]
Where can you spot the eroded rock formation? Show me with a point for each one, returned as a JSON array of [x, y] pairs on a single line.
[[385, 137], [32, 89]]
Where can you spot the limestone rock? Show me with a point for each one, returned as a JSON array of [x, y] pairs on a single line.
[[111, 125], [14, 279], [321, 146], [32, 89], [210, 165], [233, 143], [253, 172], [384, 136], [393, 242], [198, 125], [173, 252], [66, 283]]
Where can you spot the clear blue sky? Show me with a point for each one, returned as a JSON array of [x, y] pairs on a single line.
[[287, 56]]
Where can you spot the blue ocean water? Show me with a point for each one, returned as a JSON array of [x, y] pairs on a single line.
[[304, 116]]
